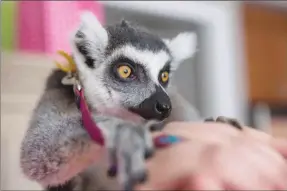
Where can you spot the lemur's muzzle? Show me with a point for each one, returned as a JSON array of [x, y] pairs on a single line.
[[157, 106]]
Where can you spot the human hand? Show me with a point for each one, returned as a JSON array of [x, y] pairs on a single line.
[[216, 157]]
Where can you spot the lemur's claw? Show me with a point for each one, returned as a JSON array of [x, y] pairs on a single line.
[[226, 120], [132, 146], [128, 187], [142, 177], [210, 119], [149, 153], [156, 126], [136, 178], [112, 172]]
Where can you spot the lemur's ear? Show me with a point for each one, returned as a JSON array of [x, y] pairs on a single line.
[[182, 47], [89, 40]]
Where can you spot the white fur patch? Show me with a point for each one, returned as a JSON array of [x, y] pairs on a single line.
[[94, 28], [95, 37], [95, 93], [182, 47], [153, 62]]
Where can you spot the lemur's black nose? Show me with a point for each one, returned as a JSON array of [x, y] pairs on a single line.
[[157, 106], [163, 108]]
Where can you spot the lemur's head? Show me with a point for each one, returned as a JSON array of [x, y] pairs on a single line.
[[124, 68]]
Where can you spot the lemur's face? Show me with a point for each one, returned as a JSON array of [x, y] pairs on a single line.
[[125, 69]]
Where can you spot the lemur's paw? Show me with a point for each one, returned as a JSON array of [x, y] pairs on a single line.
[[231, 121], [132, 146]]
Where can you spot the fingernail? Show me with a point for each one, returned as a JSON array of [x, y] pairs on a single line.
[[165, 140], [170, 139]]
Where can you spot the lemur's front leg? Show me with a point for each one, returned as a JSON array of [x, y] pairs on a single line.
[[56, 149], [54, 152], [128, 146]]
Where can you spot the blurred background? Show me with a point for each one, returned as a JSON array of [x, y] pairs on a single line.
[[240, 69]]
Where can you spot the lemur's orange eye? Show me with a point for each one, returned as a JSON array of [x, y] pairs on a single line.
[[164, 76], [124, 71]]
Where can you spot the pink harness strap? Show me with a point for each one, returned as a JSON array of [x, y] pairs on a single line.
[[88, 122]]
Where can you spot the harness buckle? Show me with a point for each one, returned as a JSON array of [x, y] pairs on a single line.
[[77, 91]]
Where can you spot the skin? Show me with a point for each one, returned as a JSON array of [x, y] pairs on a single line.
[[215, 160]]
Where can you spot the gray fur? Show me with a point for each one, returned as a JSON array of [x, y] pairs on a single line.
[[139, 37], [57, 149]]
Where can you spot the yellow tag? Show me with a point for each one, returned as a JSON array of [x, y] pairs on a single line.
[[68, 68]]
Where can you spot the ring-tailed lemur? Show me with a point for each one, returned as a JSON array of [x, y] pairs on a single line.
[[125, 72]]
